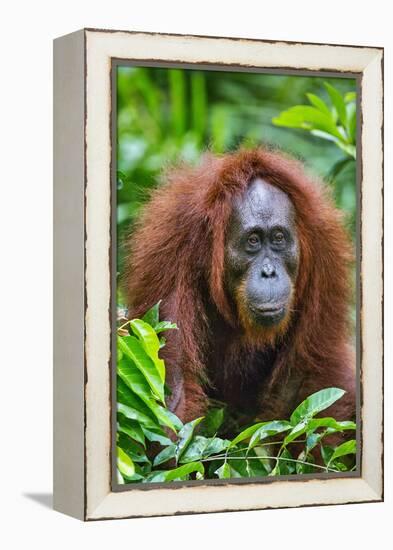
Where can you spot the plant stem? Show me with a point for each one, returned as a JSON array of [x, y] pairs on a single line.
[[124, 324], [229, 456], [274, 458]]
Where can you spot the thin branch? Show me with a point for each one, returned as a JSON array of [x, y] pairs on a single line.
[[229, 456], [274, 458]]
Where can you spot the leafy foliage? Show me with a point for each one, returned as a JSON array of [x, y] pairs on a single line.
[[195, 450], [334, 123]]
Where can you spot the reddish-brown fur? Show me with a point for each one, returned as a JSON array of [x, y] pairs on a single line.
[[177, 255]]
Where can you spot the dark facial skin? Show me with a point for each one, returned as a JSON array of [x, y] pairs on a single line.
[[262, 252]]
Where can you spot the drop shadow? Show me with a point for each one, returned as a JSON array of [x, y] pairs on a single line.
[[45, 499]]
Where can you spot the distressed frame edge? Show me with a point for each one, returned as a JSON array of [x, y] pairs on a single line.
[[69, 277], [372, 267], [368, 495], [233, 38], [376, 494]]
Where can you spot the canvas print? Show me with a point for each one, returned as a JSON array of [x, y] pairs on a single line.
[[236, 279]]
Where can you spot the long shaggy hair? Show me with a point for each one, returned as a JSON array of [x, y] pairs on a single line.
[[177, 255]]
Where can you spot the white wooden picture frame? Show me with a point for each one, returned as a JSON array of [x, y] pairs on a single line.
[[83, 269]]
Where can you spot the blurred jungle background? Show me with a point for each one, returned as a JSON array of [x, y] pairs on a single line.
[[165, 115]]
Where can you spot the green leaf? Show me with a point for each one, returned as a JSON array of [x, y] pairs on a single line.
[[134, 478], [162, 342], [312, 441], [326, 453], [338, 102], [150, 343], [351, 122], [143, 469], [156, 435], [185, 436], [315, 403], [347, 448], [246, 434], [327, 136], [155, 477], [127, 397], [133, 449], [171, 419], [131, 428], [309, 425], [135, 414], [268, 430], [124, 463], [133, 349], [166, 418], [350, 96], [349, 149], [195, 449], [341, 466], [224, 471], [251, 465], [212, 421], [284, 467], [264, 454], [304, 468], [319, 104], [165, 455], [202, 447], [162, 416], [152, 316], [184, 470], [235, 473], [307, 118], [331, 423], [215, 446], [164, 325], [138, 384], [296, 432], [136, 381]]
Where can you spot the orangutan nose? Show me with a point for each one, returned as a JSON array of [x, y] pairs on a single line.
[[268, 270]]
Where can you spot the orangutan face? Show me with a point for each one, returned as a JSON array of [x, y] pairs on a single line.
[[262, 254]]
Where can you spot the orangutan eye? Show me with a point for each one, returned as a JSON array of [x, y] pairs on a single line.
[[253, 240], [278, 237]]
